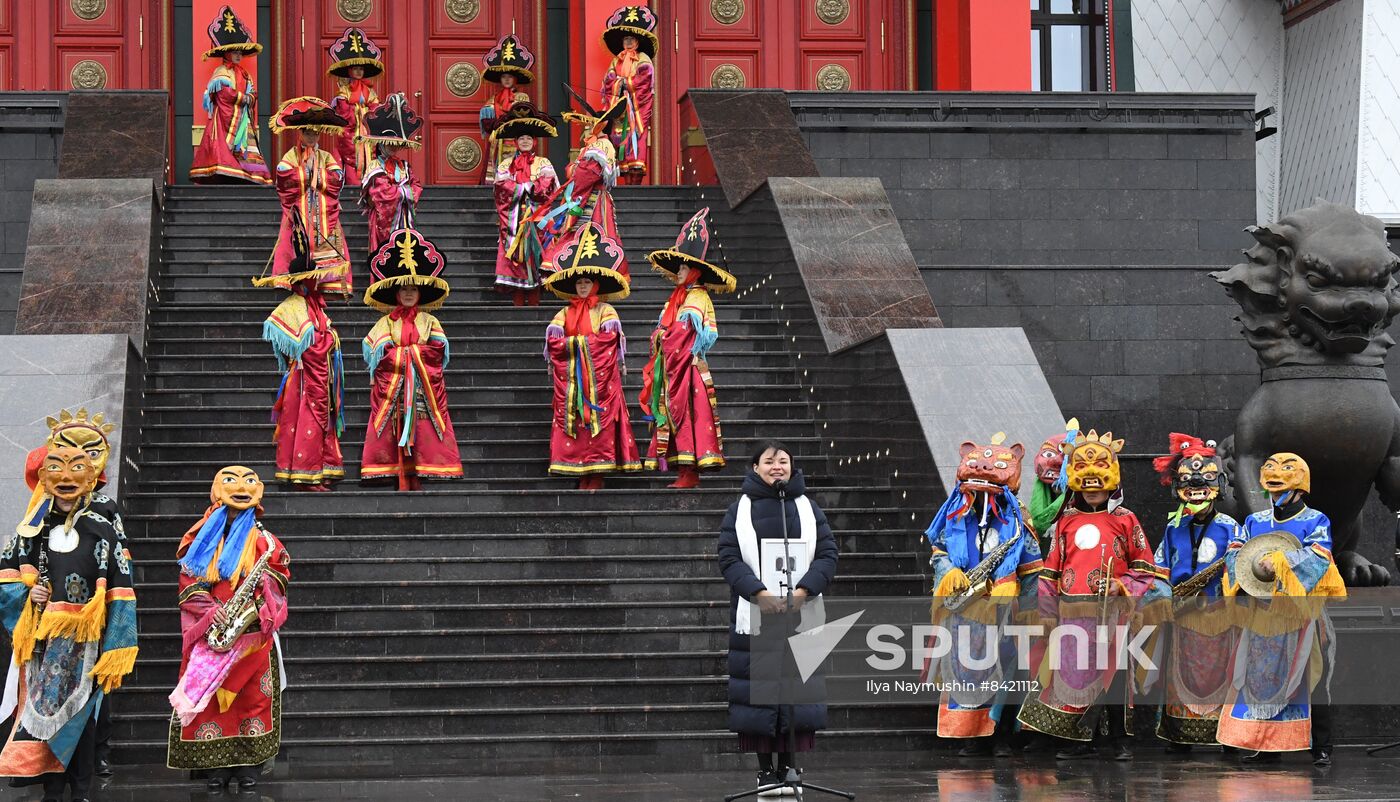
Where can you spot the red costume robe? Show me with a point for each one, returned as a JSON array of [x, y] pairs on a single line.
[[228, 151], [586, 196], [522, 184], [238, 693], [678, 395], [354, 100], [308, 185], [592, 432], [309, 408], [631, 76], [389, 195], [410, 433], [1083, 546]]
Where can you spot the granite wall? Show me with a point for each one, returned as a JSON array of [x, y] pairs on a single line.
[[92, 245], [31, 128], [39, 375], [1090, 221]]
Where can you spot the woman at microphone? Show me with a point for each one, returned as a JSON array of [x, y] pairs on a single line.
[[773, 492]]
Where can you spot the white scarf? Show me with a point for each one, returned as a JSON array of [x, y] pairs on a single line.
[[746, 617]]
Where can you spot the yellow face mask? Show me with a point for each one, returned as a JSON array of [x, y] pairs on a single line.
[[237, 488], [68, 474], [1285, 471], [81, 432], [1092, 462]]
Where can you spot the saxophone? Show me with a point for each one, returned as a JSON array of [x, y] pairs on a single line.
[[980, 578], [1197, 583], [241, 610]]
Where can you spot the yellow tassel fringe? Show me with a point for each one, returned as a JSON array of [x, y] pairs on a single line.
[[113, 666], [83, 626], [24, 632]]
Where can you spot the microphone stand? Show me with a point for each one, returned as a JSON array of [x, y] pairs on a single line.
[[793, 779]]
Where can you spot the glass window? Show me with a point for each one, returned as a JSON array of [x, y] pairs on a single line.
[[1068, 50], [1035, 60], [1067, 60]]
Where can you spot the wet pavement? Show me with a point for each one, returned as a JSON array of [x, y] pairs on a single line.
[[1154, 777]]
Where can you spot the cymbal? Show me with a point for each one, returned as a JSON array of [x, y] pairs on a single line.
[[1251, 551]]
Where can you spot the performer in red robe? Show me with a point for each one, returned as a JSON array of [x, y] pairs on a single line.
[[586, 349], [309, 409], [308, 184], [390, 191], [509, 64], [227, 718], [410, 433], [355, 61], [586, 194], [1098, 562], [523, 182], [228, 150], [631, 79], [678, 395]]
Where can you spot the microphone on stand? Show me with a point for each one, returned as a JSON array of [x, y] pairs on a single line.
[[781, 487]]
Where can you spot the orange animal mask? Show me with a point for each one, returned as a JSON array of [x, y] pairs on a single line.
[[1093, 462], [1285, 471], [991, 466], [237, 488]]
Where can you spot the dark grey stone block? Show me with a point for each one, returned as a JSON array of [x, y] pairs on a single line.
[[988, 173], [1197, 146], [931, 174], [989, 233], [1051, 235], [20, 174], [1072, 393], [910, 204], [829, 168], [1089, 357], [1018, 204], [1127, 145], [1123, 323], [1208, 391], [1012, 145], [1078, 145], [1059, 174], [899, 145], [956, 287], [1138, 174], [1242, 146], [889, 171], [956, 256], [958, 145], [1236, 174], [18, 145], [1053, 322], [960, 204], [1124, 392], [1213, 235], [931, 234], [838, 144]]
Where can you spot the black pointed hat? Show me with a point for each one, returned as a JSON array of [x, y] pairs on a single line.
[[510, 55], [690, 250], [593, 254], [393, 122], [638, 21], [355, 49], [406, 258], [228, 34], [523, 119], [307, 112], [592, 121]]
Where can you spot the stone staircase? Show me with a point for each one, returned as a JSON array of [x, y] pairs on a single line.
[[506, 621]]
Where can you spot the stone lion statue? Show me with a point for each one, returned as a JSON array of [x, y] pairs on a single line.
[[1316, 295]]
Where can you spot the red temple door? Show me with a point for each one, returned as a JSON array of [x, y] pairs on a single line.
[[833, 45], [433, 55], [57, 45]]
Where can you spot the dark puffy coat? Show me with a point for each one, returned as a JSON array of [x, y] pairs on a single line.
[[765, 508]]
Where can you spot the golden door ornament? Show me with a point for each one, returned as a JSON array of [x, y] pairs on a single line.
[[833, 12], [462, 11], [88, 74], [88, 9], [727, 76], [833, 78], [462, 79], [727, 12], [354, 10], [463, 154]]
